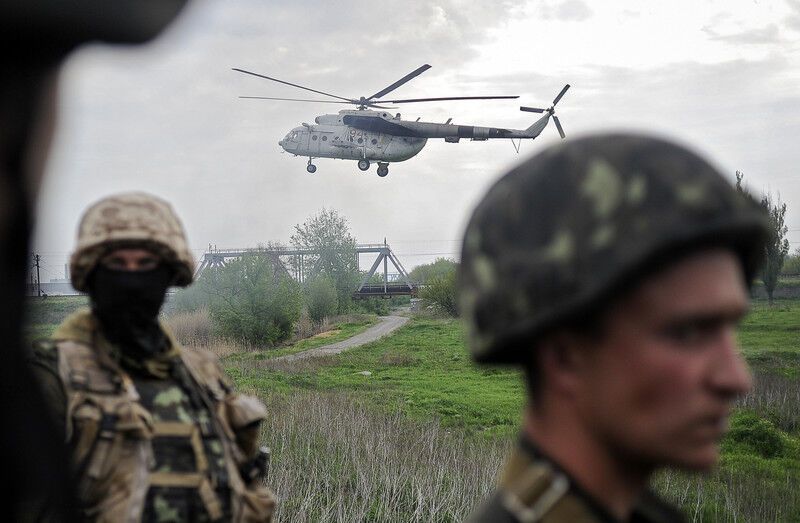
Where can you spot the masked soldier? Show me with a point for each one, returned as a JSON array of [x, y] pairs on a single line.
[[613, 269], [156, 432]]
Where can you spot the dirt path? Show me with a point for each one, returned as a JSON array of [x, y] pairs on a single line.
[[386, 325]]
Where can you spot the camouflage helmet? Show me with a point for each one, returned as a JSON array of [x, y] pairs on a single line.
[[568, 228], [133, 219]]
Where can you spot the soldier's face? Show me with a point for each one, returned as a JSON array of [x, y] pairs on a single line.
[[131, 260], [658, 387]]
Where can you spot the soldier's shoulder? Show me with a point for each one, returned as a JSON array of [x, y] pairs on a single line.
[[536, 493], [205, 367], [44, 351]]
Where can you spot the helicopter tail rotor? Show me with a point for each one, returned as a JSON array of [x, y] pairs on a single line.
[[558, 126], [552, 112], [563, 91]]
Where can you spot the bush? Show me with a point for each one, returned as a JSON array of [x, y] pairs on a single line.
[[321, 298], [440, 293], [791, 265], [252, 301], [755, 435]]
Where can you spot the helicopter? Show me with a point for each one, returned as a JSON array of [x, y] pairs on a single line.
[[366, 135]]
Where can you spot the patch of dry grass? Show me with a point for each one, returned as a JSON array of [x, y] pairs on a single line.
[[191, 328], [194, 330], [776, 397], [335, 459]]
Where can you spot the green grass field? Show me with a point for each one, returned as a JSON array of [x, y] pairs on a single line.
[[423, 366], [422, 374]]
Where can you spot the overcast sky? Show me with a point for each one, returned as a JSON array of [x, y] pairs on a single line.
[[722, 76]]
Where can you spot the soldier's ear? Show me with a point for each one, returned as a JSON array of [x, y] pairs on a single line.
[[562, 358]]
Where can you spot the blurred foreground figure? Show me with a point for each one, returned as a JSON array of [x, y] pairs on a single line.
[[36, 36], [613, 270], [156, 432]]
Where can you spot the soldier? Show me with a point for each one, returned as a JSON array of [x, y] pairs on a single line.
[[156, 432], [613, 269]]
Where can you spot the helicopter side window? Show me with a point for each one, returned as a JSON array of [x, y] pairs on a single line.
[[374, 141], [313, 136], [324, 138], [360, 140]]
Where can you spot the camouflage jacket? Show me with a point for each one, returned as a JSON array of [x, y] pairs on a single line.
[[534, 489], [164, 441]]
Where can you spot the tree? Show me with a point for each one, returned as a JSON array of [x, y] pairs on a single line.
[[252, 300], [329, 234], [321, 299], [791, 266], [429, 271], [777, 245]]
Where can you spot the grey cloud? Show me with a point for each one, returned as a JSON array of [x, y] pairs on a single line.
[[769, 34], [793, 20], [565, 11]]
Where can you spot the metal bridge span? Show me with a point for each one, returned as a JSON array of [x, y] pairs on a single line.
[[294, 263]]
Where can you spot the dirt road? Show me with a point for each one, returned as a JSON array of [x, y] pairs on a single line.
[[386, 325]]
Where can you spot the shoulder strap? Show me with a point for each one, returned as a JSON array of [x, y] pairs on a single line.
[[534, 492], [205, 370], [80, 368]]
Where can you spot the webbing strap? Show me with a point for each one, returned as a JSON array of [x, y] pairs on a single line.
[[177, 429], [176, 479], [193, 480], [198, 480], [174, 429]]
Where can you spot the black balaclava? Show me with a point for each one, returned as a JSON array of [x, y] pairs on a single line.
[[127, 305]]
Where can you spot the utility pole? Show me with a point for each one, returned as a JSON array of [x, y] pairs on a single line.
[[38, 280]]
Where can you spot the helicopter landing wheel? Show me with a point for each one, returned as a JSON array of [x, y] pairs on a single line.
[[383, 169], [311, 167], [363, 165]]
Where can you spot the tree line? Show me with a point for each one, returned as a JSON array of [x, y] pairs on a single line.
[[254, 299]]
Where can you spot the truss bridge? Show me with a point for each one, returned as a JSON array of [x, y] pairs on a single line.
[[299, 264]]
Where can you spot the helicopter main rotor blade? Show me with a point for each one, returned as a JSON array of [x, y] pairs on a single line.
[[412, 100], [532, 109], [558, 126], [416, 72], [564, 90], [293, 85], [295, 100]]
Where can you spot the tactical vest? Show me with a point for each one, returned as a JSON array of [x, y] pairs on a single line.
[[111, 434]]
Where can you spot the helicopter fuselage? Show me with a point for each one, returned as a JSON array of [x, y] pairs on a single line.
[[382, 137], [330, 137]]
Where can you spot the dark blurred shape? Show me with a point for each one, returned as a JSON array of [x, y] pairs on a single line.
[[35, 36]]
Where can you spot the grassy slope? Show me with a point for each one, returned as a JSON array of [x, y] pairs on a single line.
[[340, 331], [770, 336], [44, 314], [424, 364]]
